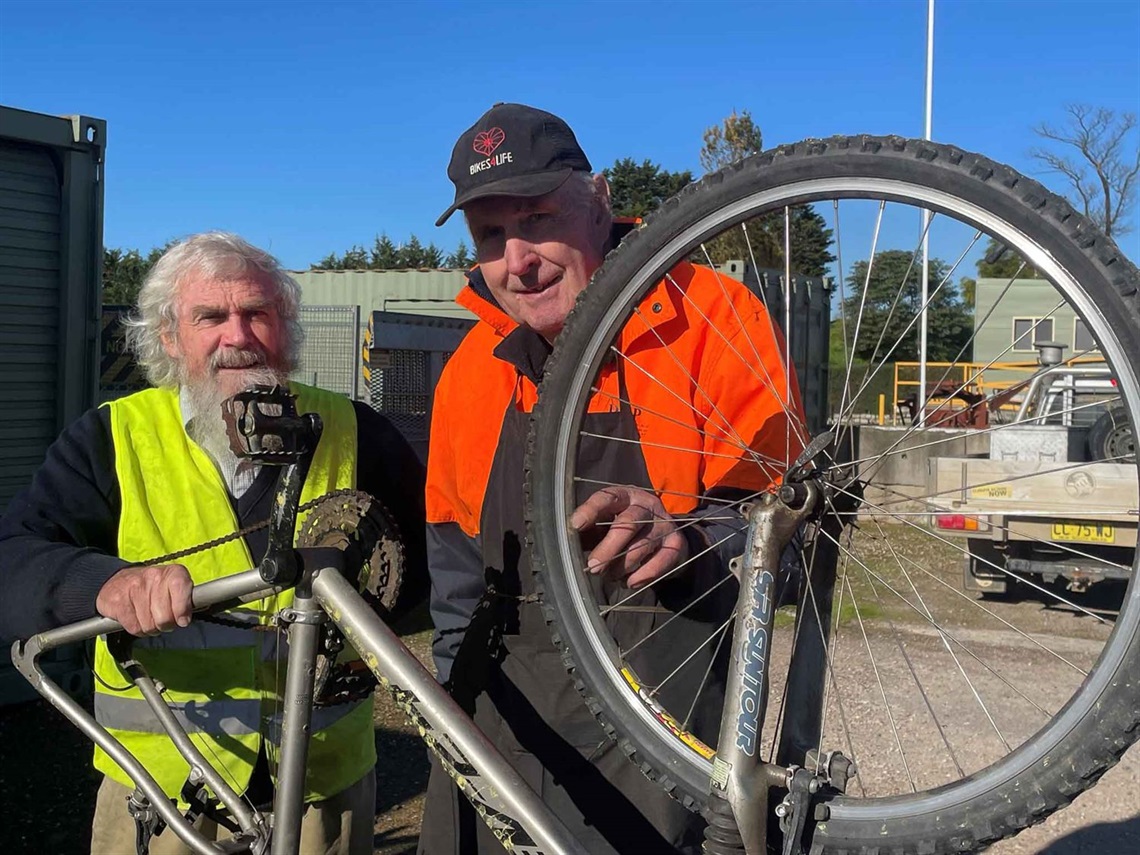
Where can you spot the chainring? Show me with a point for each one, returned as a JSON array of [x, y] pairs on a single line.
[[361, 527]]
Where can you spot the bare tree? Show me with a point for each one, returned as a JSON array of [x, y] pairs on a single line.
[[1100, 137]]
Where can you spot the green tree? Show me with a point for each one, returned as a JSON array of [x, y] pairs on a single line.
[[124, 272], [461, 259], [1001, 262], [734, 139], [968, 288], [889, 308], [431, 257], [329, 262], [761, 239], [636, 189], [410, 253], [384, 253], [355, 258]]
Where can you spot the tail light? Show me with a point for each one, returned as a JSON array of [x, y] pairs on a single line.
[[957, 522]]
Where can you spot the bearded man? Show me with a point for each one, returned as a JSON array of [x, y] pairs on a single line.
[[151, 474]]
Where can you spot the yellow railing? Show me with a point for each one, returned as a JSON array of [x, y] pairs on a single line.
[[974, 377]]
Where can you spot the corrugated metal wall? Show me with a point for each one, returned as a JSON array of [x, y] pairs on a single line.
[[51, 220], [51, 249], [416, 292], [29, 309]]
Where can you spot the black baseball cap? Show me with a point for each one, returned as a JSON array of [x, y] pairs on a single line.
[[513, 150]]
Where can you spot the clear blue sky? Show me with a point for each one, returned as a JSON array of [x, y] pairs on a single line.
[[308, 127]]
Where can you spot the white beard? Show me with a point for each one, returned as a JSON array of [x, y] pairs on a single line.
[[208, 427]]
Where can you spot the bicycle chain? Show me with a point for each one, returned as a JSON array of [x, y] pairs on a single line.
[[328, 514], [219, 541]]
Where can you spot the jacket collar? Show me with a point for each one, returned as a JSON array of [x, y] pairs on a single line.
[[661, 304]]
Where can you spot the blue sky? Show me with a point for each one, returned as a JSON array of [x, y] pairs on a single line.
[[308, 127]]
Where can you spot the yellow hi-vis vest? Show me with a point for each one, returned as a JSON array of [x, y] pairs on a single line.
[[224, 683]]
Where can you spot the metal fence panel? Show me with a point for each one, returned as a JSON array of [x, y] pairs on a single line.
[[330, 354], [406, 356], [809, 304]]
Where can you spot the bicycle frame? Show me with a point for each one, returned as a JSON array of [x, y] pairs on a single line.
[[742, 783], [514, 812], [508, 805]]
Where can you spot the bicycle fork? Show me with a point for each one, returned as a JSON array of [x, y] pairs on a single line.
[[741, 781]]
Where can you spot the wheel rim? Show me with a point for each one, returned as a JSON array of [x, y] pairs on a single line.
[[1028, 748]]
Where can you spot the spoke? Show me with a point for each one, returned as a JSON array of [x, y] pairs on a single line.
[[941, 629], [979, 326], [936, 509], [973, 689], [725, 439], [788, 329], [917, 425], [634, 593], [879, 680], [1006, 480], [848, 353], [700, 497], [698, 451], [739, 439], [795, 420], [910, 666], [967, 552], [704, 680], [1095, 514], [689, 658], [604, 523], [930, 299], [988, 611], [898, 298], [843, 410], [674, 616], [862, 309], [894, 449]]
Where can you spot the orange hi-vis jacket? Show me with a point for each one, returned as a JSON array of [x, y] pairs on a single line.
[[695, 409], [695, 330]]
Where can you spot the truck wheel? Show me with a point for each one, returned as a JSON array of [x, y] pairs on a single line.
[[1111, 437]]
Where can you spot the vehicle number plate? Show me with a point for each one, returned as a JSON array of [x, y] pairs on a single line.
[[1084, 532]]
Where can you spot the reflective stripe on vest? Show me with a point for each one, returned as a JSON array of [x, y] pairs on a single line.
[[224, 682], [233, 718]]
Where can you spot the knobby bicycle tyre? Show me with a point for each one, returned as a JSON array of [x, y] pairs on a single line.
[[1094, 728]]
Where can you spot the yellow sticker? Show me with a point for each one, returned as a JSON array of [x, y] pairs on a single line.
[[992, 491]]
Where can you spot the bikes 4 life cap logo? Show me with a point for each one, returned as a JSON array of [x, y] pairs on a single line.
[[487, 144]]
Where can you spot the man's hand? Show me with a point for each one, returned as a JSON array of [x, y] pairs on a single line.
[[147, 600], [643, 543]]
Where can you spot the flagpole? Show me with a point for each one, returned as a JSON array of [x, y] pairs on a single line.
[[923, 320]]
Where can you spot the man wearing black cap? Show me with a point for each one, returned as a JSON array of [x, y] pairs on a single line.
[[541, 225]]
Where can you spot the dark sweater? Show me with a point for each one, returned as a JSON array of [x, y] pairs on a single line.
[[59, 536]]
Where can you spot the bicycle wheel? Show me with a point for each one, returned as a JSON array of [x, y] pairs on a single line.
[[968, 720]]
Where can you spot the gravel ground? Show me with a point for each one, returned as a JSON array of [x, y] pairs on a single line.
[[46, 768]]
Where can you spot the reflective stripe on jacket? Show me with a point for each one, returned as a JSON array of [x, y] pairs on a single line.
[[222, 681]]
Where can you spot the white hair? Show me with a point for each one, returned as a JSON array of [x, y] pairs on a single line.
[[220, 255]]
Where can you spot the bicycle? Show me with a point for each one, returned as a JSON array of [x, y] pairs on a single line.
[[865, 540]]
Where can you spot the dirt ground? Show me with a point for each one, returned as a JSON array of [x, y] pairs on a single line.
[[47, 786]]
